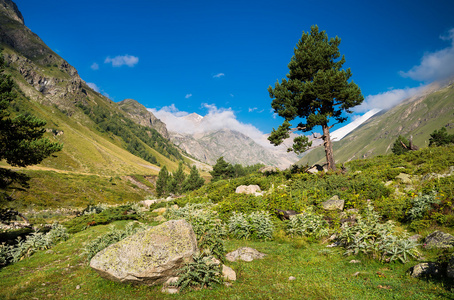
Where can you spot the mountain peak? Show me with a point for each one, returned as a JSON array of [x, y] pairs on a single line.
[[9, 8]]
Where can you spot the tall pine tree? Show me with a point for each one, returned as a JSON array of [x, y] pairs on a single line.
[[316, 91]]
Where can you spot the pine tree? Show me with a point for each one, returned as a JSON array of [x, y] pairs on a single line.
[[222, 170], [21, 138], [175, 184], [316, 91], [193, 181], [441, 137], [162, 182]]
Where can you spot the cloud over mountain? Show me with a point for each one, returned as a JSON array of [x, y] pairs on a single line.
[[122, 60]]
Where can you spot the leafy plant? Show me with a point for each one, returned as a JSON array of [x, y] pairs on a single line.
[[201, 272], [32, 243], [371, 237], [256, 225], [308, 223], [422, 204]]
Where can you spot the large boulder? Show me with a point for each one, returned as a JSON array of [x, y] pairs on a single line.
[[427, 269], [148, 257], [439, 239]]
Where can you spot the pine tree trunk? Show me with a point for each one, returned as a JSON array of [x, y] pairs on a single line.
[[328, 148]]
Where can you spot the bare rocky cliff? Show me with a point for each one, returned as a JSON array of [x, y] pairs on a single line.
[[140, 115]]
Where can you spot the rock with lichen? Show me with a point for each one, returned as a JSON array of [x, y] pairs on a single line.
[[149, 257]]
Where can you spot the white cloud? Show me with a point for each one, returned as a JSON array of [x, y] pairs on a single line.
[[387, 99], [122, 60], [219, 75], [252, 109], [188, 96], [438, 65], [94, 66], [215, 119], [94, 87]]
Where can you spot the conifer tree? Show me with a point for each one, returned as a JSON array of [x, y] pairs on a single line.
[[222, 170], [193, 181], [162, 182], [21, 138], [316, 91], [175, 184]]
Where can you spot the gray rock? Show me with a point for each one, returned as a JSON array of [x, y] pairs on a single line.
[[228, 273], [249, 190], [333, 204], [426, 269], [148, 203], [148, 257], [439, 239], [291, 278], [268, 169], [315, 169], [404, 178], [244, 253]]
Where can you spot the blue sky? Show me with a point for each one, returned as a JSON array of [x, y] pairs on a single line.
[[196, 55]]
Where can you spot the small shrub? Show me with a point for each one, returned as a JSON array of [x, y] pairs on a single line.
[[308, 224], [256, 225], [421, 205], [201, 272], [371, 237], [25, 247]]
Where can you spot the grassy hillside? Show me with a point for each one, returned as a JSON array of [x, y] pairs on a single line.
[[417, 117]]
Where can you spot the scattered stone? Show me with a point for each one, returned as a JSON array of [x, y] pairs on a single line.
[[244, 253], [404, 178], [160, 210], [415, 237], [50, 251], [228, 284], [285, 214], [333, 204], [439, 239], [228, 273], [426, 269], [160, 218], [332, 245], [291, 278], [354, 261], [148, 257], [175, 206], [249, 190], [77, 287], [355, 274], [315, 169], [169, 286], [148, 203]]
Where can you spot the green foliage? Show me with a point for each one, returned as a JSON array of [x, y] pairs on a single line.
[[401, 145], [441, 137], [21, 138], [123, 212], [193, 181], [137, 139], [421, 205], [176, 181], [309, 224], [371, 237], [222, 170], [256, 225], [113, 236], [200, 272], [316, 91], [162, 182], [36, 241]]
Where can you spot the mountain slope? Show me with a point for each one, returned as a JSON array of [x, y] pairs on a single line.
[[99, 136], [415, 117]]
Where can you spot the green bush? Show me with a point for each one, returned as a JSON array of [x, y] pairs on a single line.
[[200, 272], [381, 241], [256, 225], [421, 205], [309, 224], [123, 212]]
